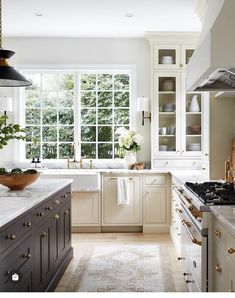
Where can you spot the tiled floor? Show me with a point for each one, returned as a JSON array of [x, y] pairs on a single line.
[[84, 243]]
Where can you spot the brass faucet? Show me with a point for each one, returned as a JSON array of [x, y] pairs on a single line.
[[81, 163], [90, 164], [69, 162]]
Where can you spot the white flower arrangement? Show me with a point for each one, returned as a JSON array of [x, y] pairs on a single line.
[[129, 140]]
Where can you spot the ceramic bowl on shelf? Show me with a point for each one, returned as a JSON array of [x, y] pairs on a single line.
[[167, 60], [163, 148], [194, 129], [168, 85], [18, 181], [194, 147], [168, 107]]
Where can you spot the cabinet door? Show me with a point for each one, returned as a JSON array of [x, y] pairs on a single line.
[[65, 228], [219, 271], [85, 208], [194, 123], [114, 214], [155, 200], [166, 56], [42, 260], [186, 52], [166, 110], [55, 239]]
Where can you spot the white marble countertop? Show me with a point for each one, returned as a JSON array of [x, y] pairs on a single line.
[[226, 215], [15, 203]]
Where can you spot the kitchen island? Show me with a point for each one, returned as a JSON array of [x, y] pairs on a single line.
[[35, 236]]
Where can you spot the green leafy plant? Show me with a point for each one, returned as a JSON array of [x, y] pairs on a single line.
[[9, 132]]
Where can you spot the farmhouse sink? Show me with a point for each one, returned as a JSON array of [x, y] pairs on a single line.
[[83, 179]]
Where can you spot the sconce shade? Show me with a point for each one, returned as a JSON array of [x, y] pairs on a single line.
[[9, 77], [6, 104], [143, 104]]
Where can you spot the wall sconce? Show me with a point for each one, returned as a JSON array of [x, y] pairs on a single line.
[[143, 105], [6, 105]]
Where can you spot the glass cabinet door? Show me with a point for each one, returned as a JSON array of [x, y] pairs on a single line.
[[167, 56], [186, 53], [168, 113], [192, 124]]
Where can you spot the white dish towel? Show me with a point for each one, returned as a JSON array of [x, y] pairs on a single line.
[[123, 191]]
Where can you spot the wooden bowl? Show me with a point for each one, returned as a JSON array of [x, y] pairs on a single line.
[[18, 182]]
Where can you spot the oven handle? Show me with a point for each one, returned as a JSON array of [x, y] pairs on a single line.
[[187, 224], [182, 197]]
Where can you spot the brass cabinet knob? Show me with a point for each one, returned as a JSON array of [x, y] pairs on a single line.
[[218, 233], [28, 224], [179, 258], [231, 250], [218, 268], [44, 235], [65, 196], [27, 256], [56, 202], [56, 216], [185, 274], [11, 237], [40, 214], [188, 281], [49, 208], [67, 212]]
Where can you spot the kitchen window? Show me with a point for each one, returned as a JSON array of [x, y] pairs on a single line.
[[84, 108]]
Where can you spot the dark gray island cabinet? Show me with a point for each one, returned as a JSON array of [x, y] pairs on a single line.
[[35, 247]]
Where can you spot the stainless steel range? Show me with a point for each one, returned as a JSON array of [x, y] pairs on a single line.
[[195, 219]]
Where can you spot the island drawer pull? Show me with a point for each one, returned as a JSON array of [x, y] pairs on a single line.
[[231, 250], [11, 237], [56, 202], [66, 211], [40, 214], [44, 235], [27, 256], [28, 224], [56, 216], [218, 233], [218, 268]]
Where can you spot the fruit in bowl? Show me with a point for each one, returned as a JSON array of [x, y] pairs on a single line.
[[17, 179]]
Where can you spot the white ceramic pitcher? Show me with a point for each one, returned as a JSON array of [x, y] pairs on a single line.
[[193, 105]]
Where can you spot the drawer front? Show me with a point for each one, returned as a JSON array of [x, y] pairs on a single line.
[[12, 234], [155, 180], [41, 212], [219, 236], [18, 261], [177, 164], [230, 248], [61, 198]]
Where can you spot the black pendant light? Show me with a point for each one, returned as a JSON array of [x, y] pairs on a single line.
[[9, 77]]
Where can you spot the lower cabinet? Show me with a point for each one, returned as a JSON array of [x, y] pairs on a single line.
[[223, 250], [86, 212], [114, 214], [156, 203], [41, 255]]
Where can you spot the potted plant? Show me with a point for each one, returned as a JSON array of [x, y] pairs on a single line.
[[129, 141]]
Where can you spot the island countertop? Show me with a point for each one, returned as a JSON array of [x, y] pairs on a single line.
[[15, 203]]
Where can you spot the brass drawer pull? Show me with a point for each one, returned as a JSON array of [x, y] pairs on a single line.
[[231, 250], [218, 268], [11, 237], [44, 235], [28, 224], [56, 216], [40, 214], [184, 274], [67, 212], [218, 233], [49, 208], [56, 202], [27, 256], [65, 196]]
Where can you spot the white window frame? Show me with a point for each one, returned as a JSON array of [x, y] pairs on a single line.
[[19, 112]]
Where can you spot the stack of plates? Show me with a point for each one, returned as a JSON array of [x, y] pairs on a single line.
[[167, 60], [194, 147]]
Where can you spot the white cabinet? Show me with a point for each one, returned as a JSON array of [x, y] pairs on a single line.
[[223, 250], [86, 212], [121, 215], [156, 203]]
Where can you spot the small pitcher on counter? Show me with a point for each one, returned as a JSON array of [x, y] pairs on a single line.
[[193, 105]]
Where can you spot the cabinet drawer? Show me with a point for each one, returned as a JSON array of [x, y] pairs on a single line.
[[12, 234], [19, 261], [177, 164], [155, 180], [230, 249], [219, 236], [61, 198], [41, 212]]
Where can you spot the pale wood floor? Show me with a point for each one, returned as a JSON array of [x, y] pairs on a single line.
[[80, 242]]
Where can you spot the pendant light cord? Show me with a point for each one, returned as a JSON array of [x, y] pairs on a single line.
[[0, 24]]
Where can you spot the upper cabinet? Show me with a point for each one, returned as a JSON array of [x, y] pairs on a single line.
[[172, 56]]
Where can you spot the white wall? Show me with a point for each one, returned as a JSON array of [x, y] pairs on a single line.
[[68, 51]]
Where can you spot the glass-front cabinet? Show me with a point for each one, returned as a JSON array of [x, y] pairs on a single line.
[[179, 128]]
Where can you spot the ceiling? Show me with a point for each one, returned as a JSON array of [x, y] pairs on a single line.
[[97, 18]]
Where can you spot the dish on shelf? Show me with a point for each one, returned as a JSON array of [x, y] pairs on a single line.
[[163, 147], [168, 85], [194, 129], [166, 60], [168, 107], [194, 147]]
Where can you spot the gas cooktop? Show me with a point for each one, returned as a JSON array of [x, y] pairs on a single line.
[[213, 193]]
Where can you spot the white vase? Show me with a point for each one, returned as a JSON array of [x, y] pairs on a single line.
[[130, 159]]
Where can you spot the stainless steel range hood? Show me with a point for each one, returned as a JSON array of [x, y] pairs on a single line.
[[212, 66]]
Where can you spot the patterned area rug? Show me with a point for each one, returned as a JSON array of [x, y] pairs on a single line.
[[123, 268]]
